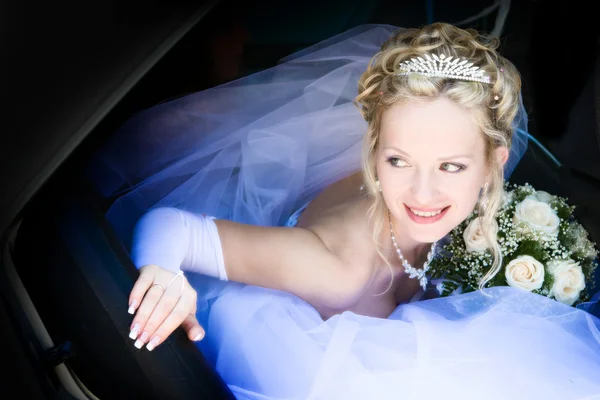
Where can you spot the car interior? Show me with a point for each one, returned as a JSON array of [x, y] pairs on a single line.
[[72, 275]]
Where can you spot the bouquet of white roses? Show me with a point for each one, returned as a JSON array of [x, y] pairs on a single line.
[[544, 249]]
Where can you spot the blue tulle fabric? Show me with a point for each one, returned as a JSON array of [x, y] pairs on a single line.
[[502, 343], [257, 150]]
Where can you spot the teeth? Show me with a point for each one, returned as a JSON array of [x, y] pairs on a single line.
[[426, 213]]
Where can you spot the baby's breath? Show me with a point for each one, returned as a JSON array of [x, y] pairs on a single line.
[[461, 270]]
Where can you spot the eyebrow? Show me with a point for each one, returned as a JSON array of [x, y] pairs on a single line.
[[468, 156]]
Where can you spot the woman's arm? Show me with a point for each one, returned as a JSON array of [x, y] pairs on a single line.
[[176, 240], [290, 259], [294, 260]]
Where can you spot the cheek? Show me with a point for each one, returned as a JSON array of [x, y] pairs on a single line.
[[394, 185], [380, 168], [465, 196], [384, 175]]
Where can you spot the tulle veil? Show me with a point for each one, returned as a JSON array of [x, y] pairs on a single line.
[[254, 149]]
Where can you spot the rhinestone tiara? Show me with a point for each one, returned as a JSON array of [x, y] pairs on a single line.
[[443, 67]]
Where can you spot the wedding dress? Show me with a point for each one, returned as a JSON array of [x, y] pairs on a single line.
[[257, 150]]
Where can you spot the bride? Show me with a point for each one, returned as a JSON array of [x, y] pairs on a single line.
[[305, 232]]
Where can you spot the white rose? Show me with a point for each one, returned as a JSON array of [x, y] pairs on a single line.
[[569, 280], [474, 236], [544, 197], [525, 272], [538, 215]]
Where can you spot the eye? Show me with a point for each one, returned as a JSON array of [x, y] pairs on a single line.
[[397, 162], [452, 168]]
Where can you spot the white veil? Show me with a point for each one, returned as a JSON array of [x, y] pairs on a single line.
[[254, 149]]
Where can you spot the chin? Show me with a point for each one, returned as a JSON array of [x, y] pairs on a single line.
[[429, 236]]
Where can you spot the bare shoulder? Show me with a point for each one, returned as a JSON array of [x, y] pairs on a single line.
[[339, 217], [327, 259]]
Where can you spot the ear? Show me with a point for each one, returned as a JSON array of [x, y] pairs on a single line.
[[502, 154]]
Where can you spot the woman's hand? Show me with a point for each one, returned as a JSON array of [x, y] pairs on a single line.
[[162, 301]]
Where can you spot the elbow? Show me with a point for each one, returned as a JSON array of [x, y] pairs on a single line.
[[156, 236], [161, 219], [159, 216]]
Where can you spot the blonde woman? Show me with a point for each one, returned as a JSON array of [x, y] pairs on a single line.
[[301, 237]]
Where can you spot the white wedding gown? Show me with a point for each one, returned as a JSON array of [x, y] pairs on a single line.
[[257, 149], [500, 344]]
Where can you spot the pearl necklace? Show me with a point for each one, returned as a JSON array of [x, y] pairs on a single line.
[[413, 273]]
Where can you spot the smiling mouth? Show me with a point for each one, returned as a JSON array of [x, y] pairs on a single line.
[[426, 213], [426, 217]]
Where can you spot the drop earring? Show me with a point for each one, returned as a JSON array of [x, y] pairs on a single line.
[[378, 185]]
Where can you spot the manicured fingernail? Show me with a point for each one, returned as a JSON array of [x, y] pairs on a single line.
[[143, 338], [153, 343], [132, 307], [198, 337], [134, 331]]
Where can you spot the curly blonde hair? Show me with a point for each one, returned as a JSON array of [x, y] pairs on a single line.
[[494, 106]]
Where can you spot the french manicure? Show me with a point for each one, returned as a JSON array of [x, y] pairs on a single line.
[[134, 331], [198, 337], [132, 307], [140, 342], [153, 343]]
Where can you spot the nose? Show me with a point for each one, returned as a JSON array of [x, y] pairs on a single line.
[[423, 188]]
